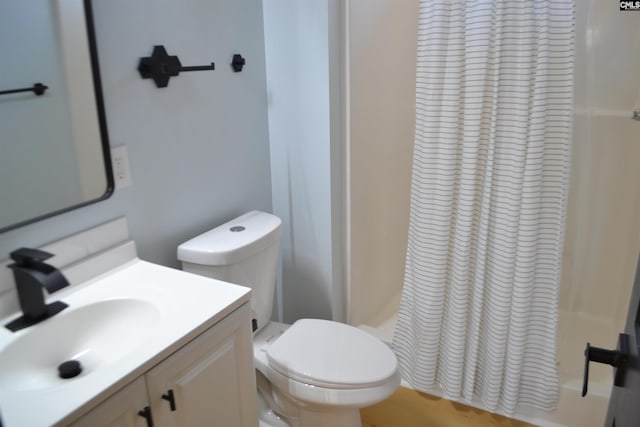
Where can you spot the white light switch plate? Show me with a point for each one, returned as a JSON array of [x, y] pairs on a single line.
[[120, 163]]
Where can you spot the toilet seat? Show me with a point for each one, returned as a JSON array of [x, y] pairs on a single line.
[[333, 355], [341, 394], [308, 394]]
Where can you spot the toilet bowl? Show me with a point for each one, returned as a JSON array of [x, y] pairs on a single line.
[[326, 370], [313, 373]]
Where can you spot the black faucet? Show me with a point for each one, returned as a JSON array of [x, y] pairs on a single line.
[[31, 276]]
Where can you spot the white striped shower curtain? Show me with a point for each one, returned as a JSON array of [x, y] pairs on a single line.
[[491, 163]]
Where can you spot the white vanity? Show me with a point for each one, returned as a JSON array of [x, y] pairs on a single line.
[[152, 341]]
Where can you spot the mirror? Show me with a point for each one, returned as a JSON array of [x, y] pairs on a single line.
[[54, 150]]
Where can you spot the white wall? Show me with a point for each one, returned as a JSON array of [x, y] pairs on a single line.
[[301, 80], [199, 149], [304, 44], [381, 90]]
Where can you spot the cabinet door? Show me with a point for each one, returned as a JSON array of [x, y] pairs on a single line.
[[119, 410], [211, 381]]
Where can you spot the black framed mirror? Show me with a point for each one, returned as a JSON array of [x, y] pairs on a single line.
[[54, 146]]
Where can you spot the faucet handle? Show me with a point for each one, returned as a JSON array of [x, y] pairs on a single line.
[[29, 256]]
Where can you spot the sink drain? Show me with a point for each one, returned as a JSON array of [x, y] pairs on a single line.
[[69, 369]]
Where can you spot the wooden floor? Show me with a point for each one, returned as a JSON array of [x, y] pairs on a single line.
[[409, 408]]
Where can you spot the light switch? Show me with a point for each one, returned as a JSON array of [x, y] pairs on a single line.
[[120, 163]]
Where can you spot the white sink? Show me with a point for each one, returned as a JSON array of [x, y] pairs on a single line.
[[118, 326], [96, 334]]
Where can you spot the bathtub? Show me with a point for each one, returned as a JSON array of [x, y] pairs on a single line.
[[573, 333]]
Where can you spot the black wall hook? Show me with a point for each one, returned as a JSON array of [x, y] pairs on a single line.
[[161, 66], [237, 63]]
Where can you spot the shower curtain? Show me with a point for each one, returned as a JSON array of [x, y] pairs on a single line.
[[478, 311]]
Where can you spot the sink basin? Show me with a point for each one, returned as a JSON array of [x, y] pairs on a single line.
[[96, 335]]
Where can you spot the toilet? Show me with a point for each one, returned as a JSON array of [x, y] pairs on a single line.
[[313, 373]]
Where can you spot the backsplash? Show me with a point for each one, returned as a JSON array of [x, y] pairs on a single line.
[[79, 256]]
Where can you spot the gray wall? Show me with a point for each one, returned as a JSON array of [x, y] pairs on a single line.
[[199, 149], [304, 113]]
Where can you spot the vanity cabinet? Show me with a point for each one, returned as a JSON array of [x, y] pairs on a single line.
[[121, 409], [209, 381]]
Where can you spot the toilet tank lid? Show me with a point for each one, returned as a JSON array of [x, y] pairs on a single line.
[[233, 241]]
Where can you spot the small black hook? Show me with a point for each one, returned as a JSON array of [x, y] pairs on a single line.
[[237, 63]]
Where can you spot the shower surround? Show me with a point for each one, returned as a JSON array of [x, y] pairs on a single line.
[[602, 231]]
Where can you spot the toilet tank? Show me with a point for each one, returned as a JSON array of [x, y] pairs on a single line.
[[243, 251]]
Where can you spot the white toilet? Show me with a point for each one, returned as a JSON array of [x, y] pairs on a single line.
[[314, 373]]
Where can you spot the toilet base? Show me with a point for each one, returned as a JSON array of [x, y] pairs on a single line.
[[279, 410], [268, 418], [347, 418]]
